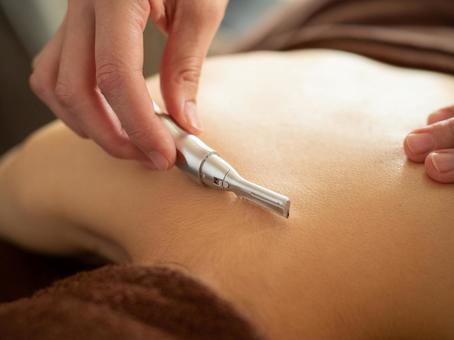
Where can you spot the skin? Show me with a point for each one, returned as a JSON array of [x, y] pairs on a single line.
[[90, 72], [367, 251]]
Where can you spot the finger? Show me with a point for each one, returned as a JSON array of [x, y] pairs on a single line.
[[44, 77], [119, 63], [76, 88], [442, 114], [192, 29], [421, 142], [440, 165]]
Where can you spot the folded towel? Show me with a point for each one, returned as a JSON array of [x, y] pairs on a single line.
[[124, 302], [411, 33]]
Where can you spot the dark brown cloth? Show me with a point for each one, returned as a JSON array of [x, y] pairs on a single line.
[[154, 303], [410, 33], [124, 302]]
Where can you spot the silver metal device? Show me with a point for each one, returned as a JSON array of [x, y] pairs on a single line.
[[208, 168]]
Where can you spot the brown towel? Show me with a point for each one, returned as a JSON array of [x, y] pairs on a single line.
[[411, 33], [124, 302]]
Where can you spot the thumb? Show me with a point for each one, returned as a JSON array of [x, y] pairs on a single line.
[[190, 33]]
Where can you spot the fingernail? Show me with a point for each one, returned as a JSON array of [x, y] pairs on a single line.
[[420, 143], [190, 110], [443, 162], [158, 160]]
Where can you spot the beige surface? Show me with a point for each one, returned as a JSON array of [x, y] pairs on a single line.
[[368, 249]]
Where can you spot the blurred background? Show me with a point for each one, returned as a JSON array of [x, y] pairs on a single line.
[[26, 25]]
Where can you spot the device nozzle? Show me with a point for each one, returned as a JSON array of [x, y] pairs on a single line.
[[269, 199], [203, 163]]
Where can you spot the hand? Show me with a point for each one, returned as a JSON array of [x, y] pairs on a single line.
[[90, 72], [434, 145]]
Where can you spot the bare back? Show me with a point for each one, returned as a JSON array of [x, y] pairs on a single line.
[[368, 248]]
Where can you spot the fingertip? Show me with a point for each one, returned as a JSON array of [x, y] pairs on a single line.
[[164, 155], [437, 116], [408, 152], [153, 139], [406, 149], [192, 116], [439, 166], [186, 115], [158, 160], [181, 105], [431, 171], [417, 145], [442, 114], [432, 118], [171, 156], [412, 155]]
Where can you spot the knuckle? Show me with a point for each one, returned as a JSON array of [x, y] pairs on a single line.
[[141, 6], [139, 136], [189, 72], [109, 76], [216, 11], [140, 11], [65, 94], [38, 85], [212, 12]]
